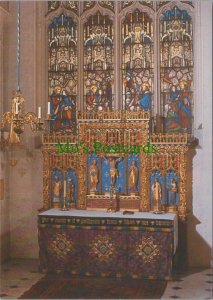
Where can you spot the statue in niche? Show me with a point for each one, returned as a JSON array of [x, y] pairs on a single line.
[[156, 195], [70, 191], [56, 189], [93, 176], [172, 192], [113, 169], [133, 177]]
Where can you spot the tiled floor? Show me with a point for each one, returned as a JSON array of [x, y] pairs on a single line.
[[195, 284], [17, 276]]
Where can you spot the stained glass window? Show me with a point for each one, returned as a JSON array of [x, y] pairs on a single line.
[[98, 63], [153, 59], [62, 73], [176, 69], [137, 61]]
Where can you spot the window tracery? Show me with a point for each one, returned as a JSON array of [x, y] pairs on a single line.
[[108, 4], [88, 5], [69, 5]]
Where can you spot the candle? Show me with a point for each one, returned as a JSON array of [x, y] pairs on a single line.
[[16, 111], [39, 112], [48, 108], [187, 26], [64, 188], [169, 62], [147, 26]]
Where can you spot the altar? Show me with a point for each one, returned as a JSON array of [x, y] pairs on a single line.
[[113, 164], [113, 244]]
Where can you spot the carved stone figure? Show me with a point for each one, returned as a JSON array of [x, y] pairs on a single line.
[[172, 191], [133, 177], [93, 176], [70, 191], [156, 195], [57, 189]]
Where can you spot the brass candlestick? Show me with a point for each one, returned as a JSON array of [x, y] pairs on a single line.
[[64, 208], [112, 191]]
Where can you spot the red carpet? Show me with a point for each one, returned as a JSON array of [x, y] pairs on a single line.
[[61, 287]]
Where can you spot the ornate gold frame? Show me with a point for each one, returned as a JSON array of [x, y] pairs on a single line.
[[171, 154]]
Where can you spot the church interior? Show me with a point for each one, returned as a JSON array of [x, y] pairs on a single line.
[[106, 149]]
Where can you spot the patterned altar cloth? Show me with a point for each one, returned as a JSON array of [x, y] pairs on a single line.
[[95, 243]]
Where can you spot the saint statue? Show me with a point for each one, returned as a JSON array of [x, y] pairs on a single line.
[[172, 191], [57, 189], [133, 177], [156, 195], [93, 176]]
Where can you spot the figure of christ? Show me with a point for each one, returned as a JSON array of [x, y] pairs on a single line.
[[113, 169]]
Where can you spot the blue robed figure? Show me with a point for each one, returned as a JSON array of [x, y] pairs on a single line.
[[145, 100], [66, 107]]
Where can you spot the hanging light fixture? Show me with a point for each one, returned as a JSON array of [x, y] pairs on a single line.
[[16, 119]]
